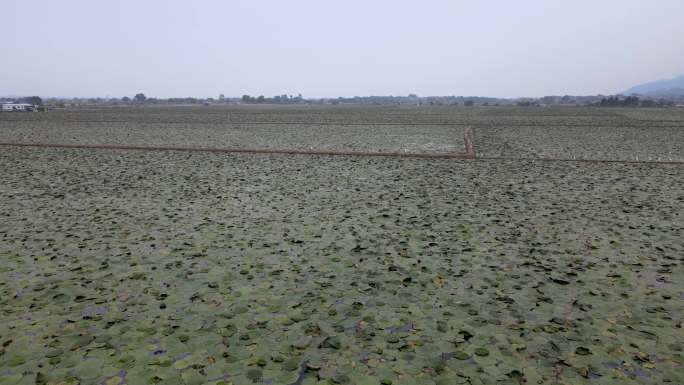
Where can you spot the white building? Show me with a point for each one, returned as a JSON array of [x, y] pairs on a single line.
[[18, 107]]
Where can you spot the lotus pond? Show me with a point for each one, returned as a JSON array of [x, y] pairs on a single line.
[[513, 132], [133, 267]]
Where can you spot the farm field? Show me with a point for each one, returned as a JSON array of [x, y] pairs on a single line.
[[169, 267]]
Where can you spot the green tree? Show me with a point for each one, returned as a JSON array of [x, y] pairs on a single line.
[[140, 97], [35, 100]]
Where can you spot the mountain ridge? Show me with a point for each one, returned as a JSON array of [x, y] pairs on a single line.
[[665, 87]]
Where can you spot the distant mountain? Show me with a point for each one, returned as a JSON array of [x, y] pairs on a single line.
[[668, 87]]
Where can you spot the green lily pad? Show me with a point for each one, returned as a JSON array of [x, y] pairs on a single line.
[[291, 364], [15, 360], [254, 374], [482, 352], [582, 351], [332, 342]]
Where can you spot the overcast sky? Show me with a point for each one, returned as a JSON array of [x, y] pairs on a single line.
[[174, 48]]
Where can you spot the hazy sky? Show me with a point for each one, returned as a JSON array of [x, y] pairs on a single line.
[[174, 48]]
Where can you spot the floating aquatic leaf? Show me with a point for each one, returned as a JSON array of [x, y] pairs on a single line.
[[482, 352], [54, 353], [303, 342], [15, 360], [291, 364], [254, 374], [125, 362], [41, 379], [582, 351], [332, 342], [393, 338]]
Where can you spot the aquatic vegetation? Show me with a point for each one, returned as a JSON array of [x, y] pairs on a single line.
[[196, 268]]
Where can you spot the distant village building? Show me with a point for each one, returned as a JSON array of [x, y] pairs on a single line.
[[18, 107]]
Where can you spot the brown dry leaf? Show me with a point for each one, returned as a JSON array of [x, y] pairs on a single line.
[[584, 372]]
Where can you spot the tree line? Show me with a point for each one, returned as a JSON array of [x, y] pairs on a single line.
[[278, 99], [633, 101], [412, 99]]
